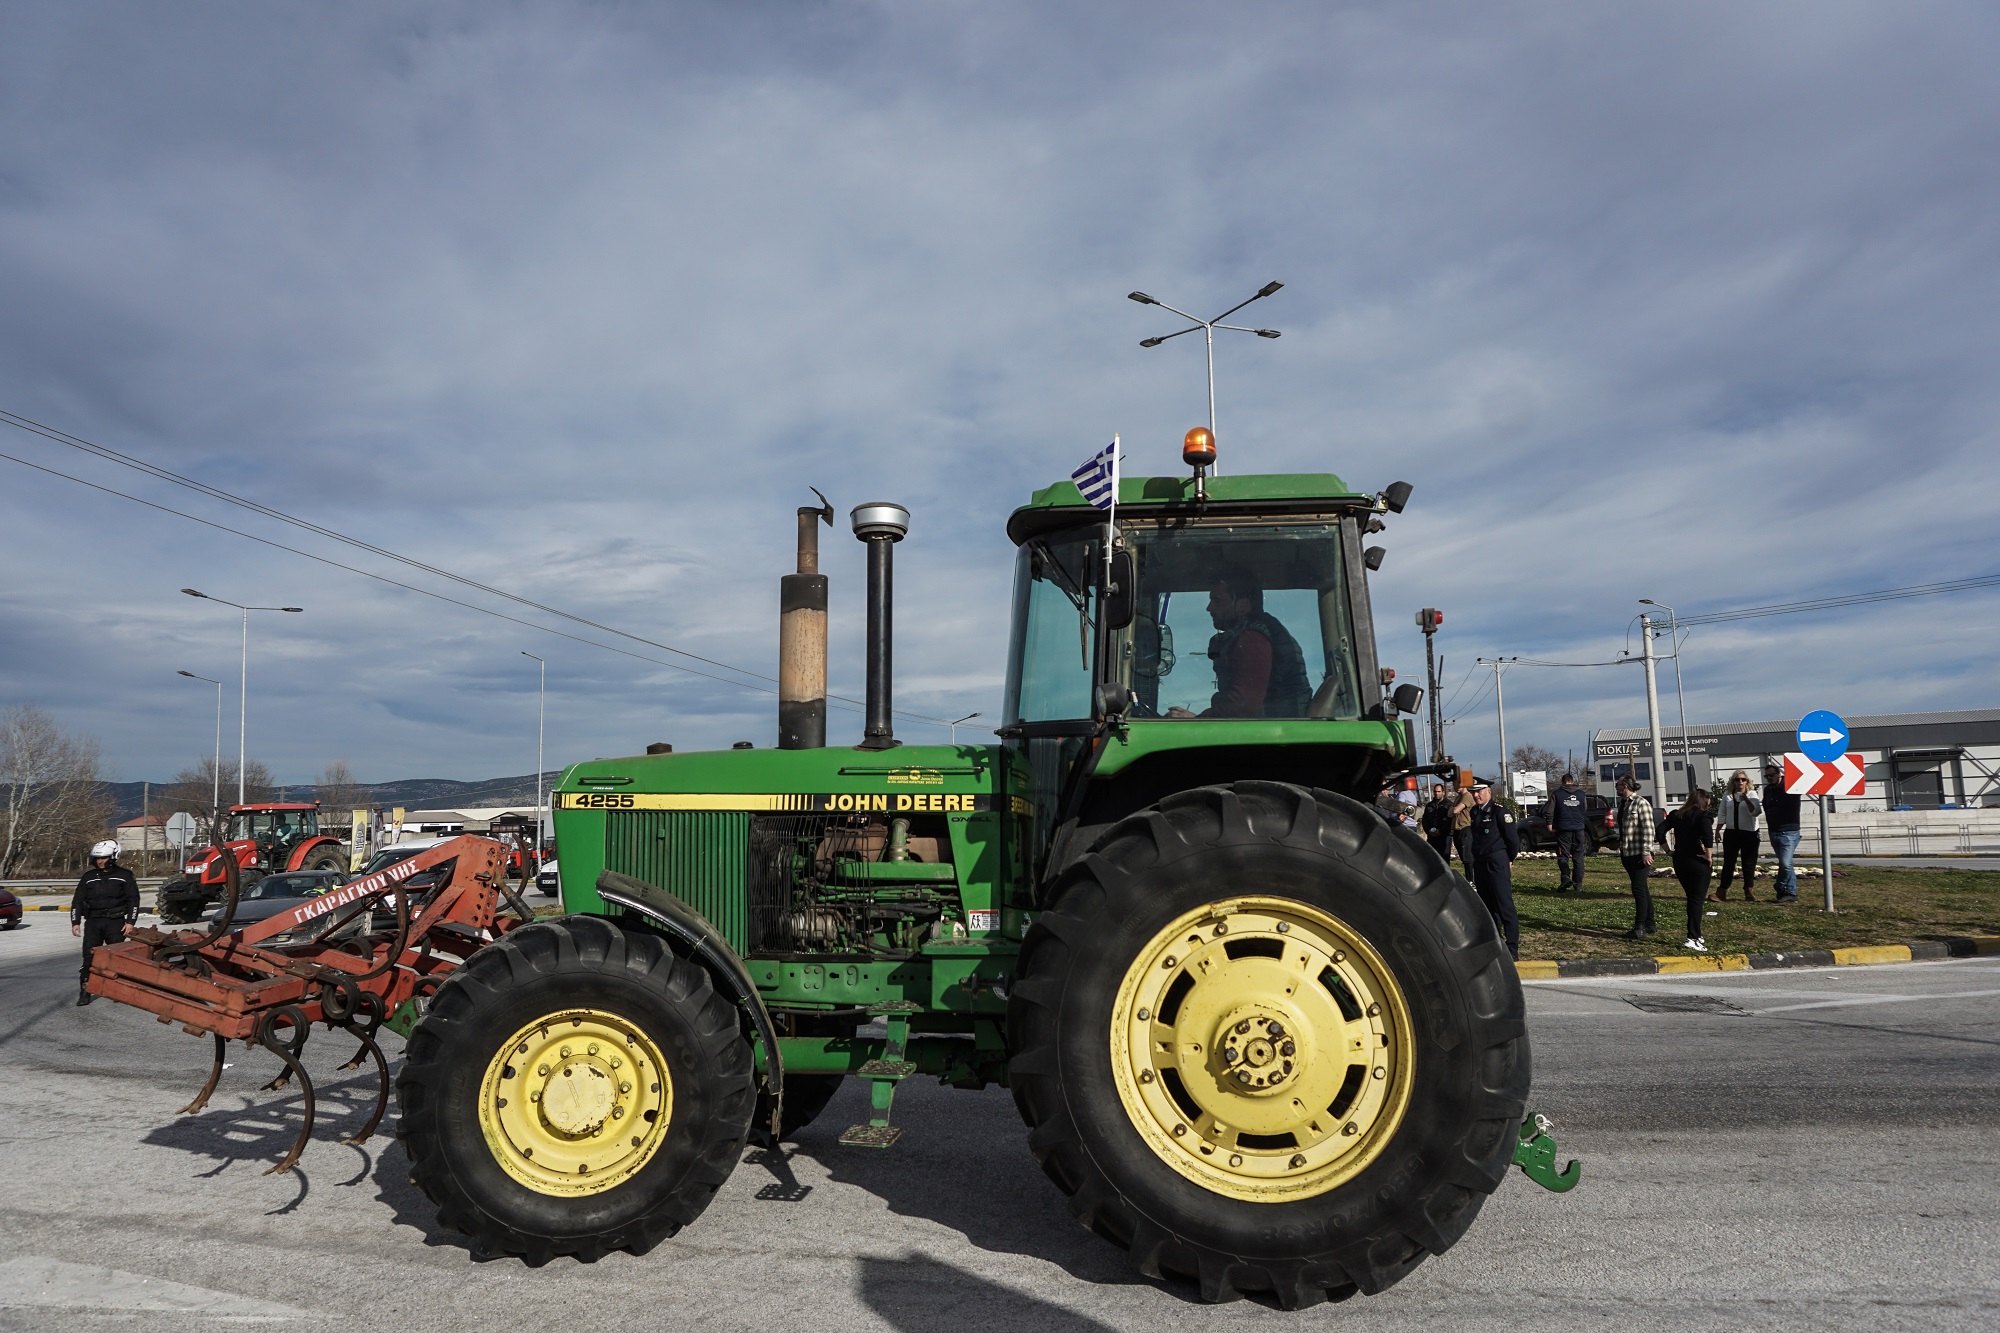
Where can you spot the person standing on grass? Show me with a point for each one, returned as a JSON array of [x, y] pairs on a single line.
[[1689, 833], [1437, 823], [1738, 821], [1569, 820], [1781, 821], [1495, 842], [1635, 850]]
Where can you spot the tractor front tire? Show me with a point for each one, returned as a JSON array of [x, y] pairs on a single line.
[[574, 1089], [1269, 1044], [328, 859]]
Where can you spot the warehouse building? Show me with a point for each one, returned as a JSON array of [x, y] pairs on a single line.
[[1914, 761]]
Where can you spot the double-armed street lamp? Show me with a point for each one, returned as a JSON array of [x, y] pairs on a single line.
[[242, 700], [1208, 328]]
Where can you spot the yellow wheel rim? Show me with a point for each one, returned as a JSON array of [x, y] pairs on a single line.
[[575, 1103], [1262, 1049]]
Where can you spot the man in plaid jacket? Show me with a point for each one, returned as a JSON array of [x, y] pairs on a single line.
[[1635, 849]]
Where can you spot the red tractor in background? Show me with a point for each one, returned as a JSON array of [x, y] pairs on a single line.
[[265, 838]]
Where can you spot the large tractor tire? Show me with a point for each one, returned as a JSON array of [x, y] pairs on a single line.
[[325, 858], [574, 1089], [1269, 1044], [181, 901]]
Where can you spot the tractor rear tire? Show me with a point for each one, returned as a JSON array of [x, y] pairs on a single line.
[[603, 1051], [1308, 946], [326, 860]]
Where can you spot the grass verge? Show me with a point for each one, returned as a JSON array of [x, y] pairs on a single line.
[[1886, 906]]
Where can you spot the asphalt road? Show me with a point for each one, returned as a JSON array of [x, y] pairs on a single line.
[[1810, 1149]]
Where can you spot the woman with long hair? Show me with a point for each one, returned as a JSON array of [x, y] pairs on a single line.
[[1689, 833]]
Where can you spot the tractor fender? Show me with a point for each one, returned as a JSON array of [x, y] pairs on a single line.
[[307, 848], [707, 947]]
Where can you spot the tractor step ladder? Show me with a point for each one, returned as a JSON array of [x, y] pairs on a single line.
[[883, 1075]]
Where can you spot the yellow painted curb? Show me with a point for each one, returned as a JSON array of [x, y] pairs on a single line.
[[1872, 953], [1536, 969], [1688, 963], [1732, 962]]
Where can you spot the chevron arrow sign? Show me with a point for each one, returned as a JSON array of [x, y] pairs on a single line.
[[1841, 777]]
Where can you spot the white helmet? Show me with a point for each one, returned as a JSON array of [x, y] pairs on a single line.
[[109, 847]]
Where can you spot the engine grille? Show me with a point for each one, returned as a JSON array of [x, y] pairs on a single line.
[[699, 856]]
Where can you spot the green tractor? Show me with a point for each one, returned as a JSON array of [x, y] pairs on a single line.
[[1264, 1040]]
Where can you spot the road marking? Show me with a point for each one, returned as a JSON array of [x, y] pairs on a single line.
[[1877, 999]]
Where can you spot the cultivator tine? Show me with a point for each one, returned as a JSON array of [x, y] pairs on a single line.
[[214, 1077], [305, 1131], [368, 1047]]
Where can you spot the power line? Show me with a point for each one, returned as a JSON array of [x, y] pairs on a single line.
[[1847, 599], [411, 587]]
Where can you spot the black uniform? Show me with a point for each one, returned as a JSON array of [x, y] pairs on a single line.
[[1569, 820], [106, 902], [1495, 842]]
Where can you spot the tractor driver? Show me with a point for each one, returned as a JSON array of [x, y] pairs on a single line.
[[1259, 668]]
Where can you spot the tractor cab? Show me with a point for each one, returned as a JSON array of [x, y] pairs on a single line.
[[1225, 630]]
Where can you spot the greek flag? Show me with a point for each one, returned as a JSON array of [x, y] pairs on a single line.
[[1098, 478]]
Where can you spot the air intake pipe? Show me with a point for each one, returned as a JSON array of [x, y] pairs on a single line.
[[880, 525], [802, 639]]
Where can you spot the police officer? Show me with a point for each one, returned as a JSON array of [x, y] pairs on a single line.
[[106, 901], [1569, 820], [1495, 842]]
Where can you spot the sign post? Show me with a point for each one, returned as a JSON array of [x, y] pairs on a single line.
[[180, 830], [1823, 738]]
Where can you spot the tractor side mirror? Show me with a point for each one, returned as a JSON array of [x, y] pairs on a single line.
[[1122, 595], [1408, 698]]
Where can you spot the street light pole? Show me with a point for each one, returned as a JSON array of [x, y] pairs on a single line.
[[1652, 710], [956, 723], [215, 776], [1500, 664], [1208, 328], [541, 712], [1674, 633], [243, 688]]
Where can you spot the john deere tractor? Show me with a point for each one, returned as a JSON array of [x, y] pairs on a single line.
[[1264, 1040]]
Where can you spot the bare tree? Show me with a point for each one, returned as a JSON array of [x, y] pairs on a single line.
[[54, 805], [193, 790], [1534, 759], [339, 793]]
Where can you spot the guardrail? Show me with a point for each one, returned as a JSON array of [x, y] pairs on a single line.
[[19, 886]]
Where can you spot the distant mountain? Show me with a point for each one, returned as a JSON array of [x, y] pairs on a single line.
[[410, 793]]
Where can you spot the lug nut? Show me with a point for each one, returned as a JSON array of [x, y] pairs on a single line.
[[500, 1103], [616, 1062], [1180, 1131], [564, 1052], [1350, 1128], [543, 1070], [617, 1113], [1222, 927], [1289, 1048], [624, 1087], [1277, 1030], [535, 1096], [1168, 965], [591, 1049], [1298, 1160], [635, 1140], [1145, 1015], [1284, 927], [1374, 1010], [1236, 1159], [1244, 1026], [1380, 1072], [1145, 1076]]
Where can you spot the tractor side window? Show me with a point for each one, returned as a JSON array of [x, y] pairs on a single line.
[[1055, 615]]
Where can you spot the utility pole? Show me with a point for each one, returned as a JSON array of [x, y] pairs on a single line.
[[1652, 711], [541, 712], [1500, 664]]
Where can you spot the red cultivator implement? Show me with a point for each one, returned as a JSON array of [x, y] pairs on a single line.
[[334, 959]]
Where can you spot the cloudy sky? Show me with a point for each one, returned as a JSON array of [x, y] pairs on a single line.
[[1688, 301]]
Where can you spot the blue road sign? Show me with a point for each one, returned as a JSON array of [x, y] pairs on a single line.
[[1822, 736]]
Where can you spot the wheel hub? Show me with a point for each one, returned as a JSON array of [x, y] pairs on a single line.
[[1262, 1048], [575, 1102], [1259, 1050]]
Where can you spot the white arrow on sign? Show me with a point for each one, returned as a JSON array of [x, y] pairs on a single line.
[[1828, 735], [1844, 776]]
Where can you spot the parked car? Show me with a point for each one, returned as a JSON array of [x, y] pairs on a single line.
[[547, 882], [1537, 836], [279, 893], [10, 910]]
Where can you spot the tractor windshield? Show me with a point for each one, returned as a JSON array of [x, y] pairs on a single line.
[[1247, 619]]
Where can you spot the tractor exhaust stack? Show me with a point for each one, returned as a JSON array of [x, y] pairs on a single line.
[[802, 639], [881, 525]]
